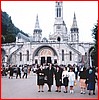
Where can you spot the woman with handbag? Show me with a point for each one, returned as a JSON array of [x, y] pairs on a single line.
[[40, 78], [65, 79]]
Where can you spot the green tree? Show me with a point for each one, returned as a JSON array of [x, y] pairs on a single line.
[[9, 38], [9, 30], [95, 51]]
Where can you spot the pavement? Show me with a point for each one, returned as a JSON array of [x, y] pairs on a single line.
[[27, 88]]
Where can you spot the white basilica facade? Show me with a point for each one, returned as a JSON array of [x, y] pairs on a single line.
[[62, 47]]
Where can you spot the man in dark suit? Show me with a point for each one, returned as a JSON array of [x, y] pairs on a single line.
[[50, 74]]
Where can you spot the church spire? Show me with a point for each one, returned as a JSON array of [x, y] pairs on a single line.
[[37, 27], [37, 23], [74, 30], [37, 33], [74, 25]]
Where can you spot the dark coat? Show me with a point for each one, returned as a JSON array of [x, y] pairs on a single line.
[[91, 79], [58, 77], [40, 77], [83, 74], [50, 73], [11, 71]]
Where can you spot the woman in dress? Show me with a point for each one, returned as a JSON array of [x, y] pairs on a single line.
[[58, 78], [40, 78], [65, 79], [71, 79], [83, 76]]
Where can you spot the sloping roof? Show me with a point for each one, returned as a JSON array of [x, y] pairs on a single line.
[[24, 37]]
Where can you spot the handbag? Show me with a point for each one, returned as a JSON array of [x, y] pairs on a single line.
[[45, 79], [75, 84], [41, 77]]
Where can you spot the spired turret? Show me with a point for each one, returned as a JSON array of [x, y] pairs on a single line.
[[74, 31], [37, 32]]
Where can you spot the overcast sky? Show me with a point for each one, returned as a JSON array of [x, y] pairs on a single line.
[[23, 15]]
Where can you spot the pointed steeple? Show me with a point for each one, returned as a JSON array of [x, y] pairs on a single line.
[[74, 25], [74, 30], [37, 32], [37, 23], [37, 27]]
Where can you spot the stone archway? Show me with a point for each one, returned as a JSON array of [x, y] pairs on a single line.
[[45, 54]]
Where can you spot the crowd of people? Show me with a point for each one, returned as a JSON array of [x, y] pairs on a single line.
[[15, 71], [66, 76]]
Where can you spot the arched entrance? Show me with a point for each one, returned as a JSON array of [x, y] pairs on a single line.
[[45, 54], [90, 51]]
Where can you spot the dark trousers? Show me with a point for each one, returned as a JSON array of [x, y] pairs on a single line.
[[49, 86], [76, 75], [18, 74], [25, 74]]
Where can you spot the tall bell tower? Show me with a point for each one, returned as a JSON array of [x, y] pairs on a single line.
[[59, 12], [60, 29]]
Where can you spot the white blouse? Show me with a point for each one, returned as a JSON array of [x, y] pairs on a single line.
[[64, 74]]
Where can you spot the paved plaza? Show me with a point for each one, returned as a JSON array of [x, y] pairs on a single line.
[[27, 88]]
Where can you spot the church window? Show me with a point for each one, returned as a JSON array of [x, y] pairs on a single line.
[[59, 12], [71, 37], [55, 61], [36, 62], [27, 55], [58, 3], [74, 37], [58, 39], [20, 56], [62, 55], [70, 53]]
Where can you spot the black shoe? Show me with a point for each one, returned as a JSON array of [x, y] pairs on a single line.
[[56, 91], [65, 91], [49, 90], [59, 91], [38, 91], [42, 91], [89, 93], [93, 93]]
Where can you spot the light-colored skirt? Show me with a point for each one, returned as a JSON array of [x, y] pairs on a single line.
[[82, 83], [71, 83]]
